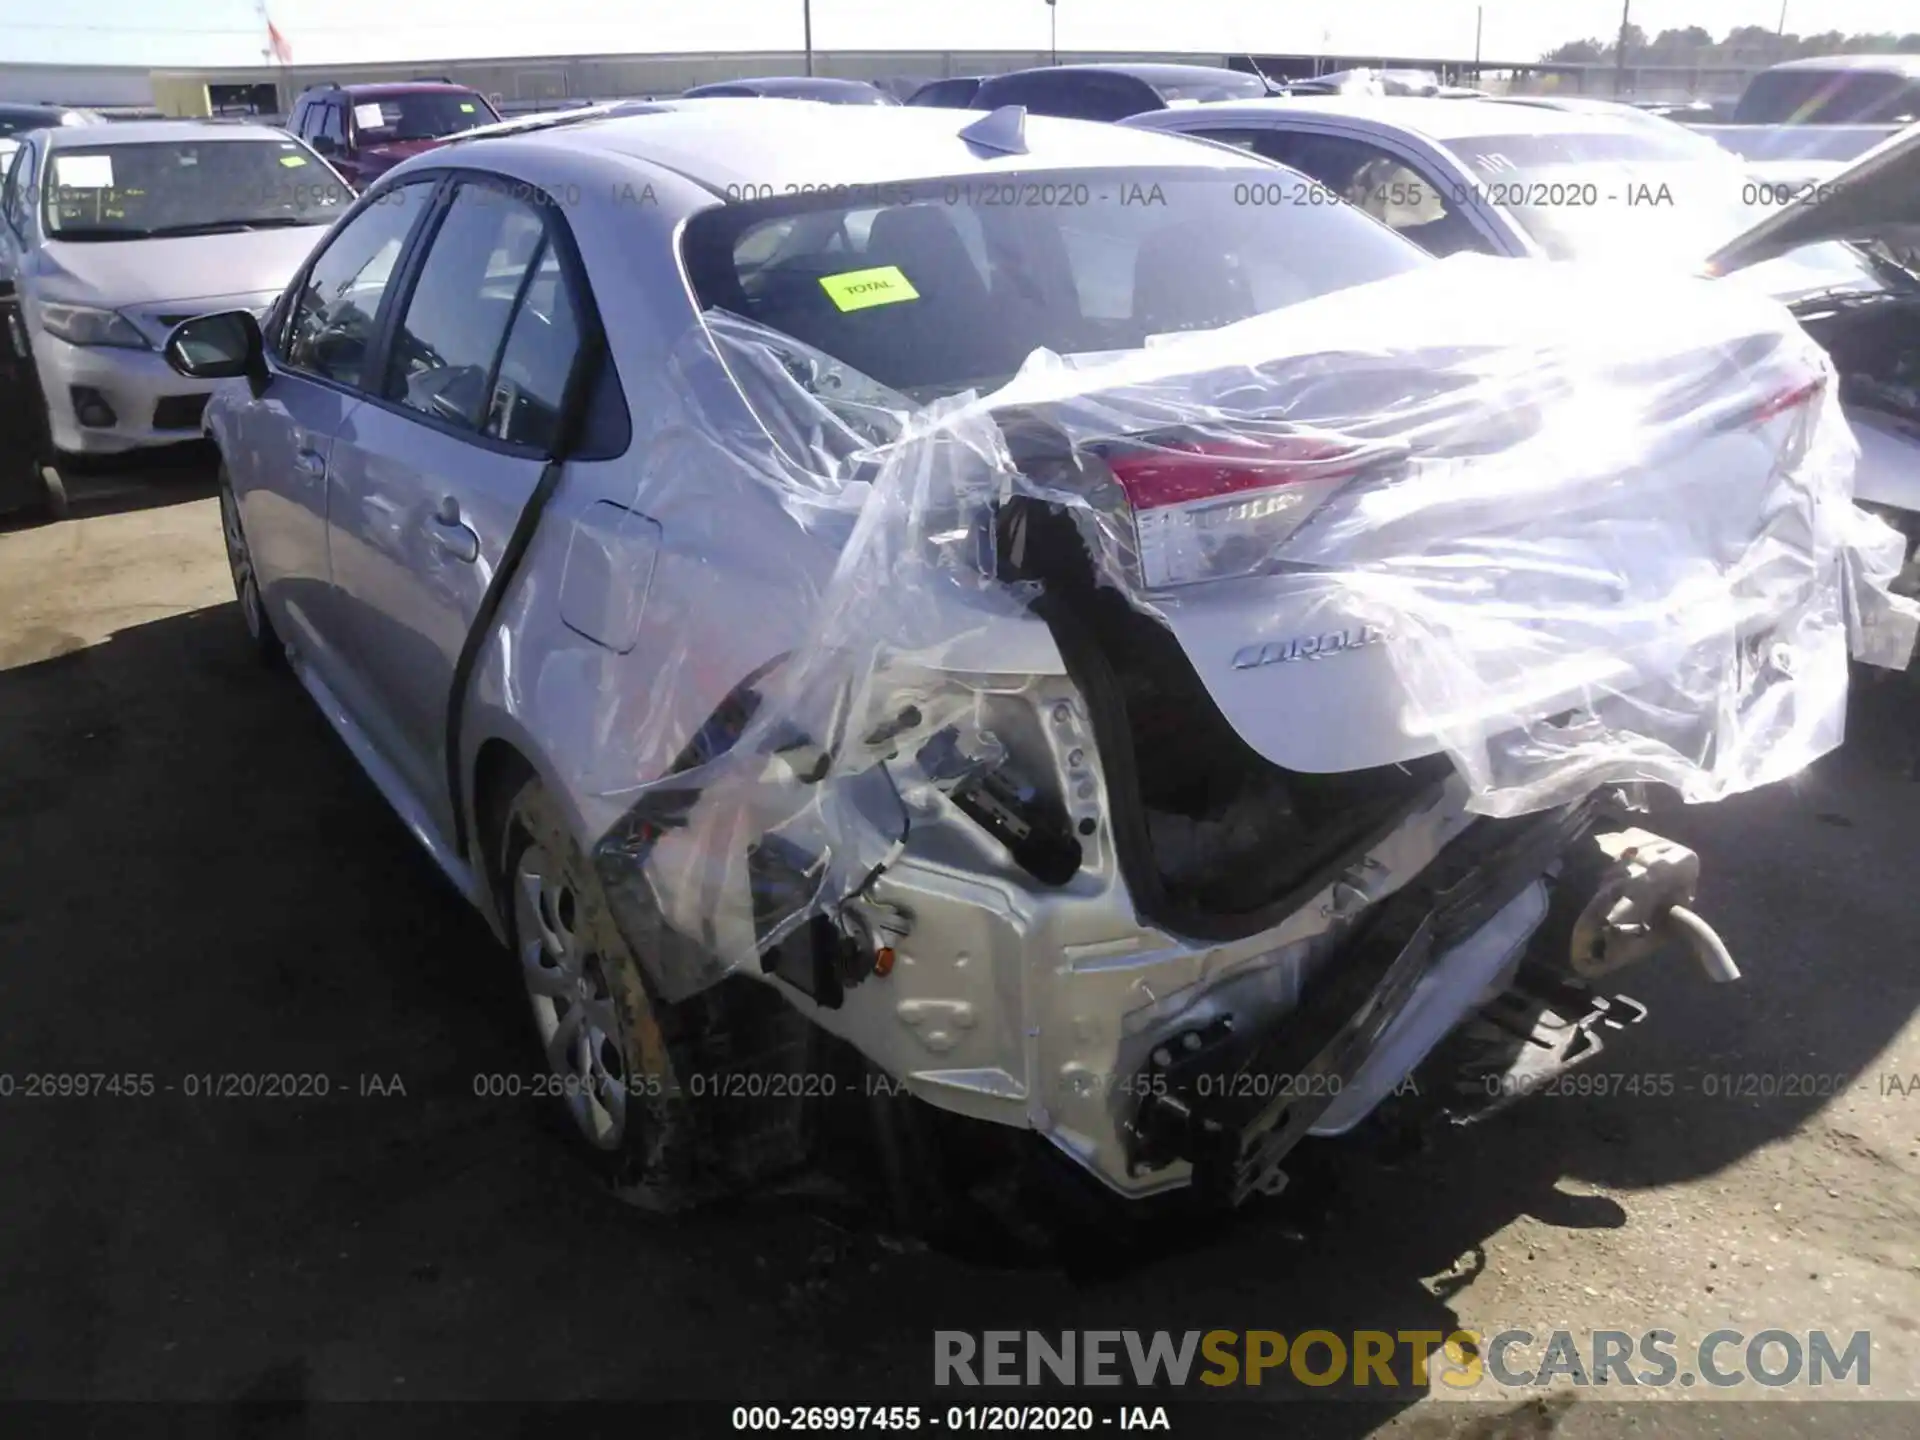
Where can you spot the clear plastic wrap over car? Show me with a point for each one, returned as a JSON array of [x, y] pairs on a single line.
[[1596, 529]]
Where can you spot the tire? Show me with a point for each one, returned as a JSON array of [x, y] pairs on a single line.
[[54, 499], [612, 1081], [266, 644]]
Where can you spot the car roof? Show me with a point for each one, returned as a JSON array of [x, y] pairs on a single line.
[[1430, 116], [1153, 73], [393, 89], [795, 85], [1891, 64], [155, 132], [754, 149]]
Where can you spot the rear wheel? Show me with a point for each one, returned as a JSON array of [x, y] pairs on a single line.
[[610, 1074]]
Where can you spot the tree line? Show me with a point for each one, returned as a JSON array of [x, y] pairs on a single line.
[[1744, 45]]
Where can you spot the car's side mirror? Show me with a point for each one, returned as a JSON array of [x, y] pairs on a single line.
[[223, 346], [324, 145]]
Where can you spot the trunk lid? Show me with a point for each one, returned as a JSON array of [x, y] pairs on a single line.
[[1877, 197], [1419, 544]]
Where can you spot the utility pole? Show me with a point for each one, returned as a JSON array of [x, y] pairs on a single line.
[[806, 20], [1053, 32], [1479, 20], [1620, 50]]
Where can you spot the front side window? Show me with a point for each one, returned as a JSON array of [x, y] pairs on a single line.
[[334, 318], [471, 288], [186, 187], [419, 115], [18, 201], [329, 123]]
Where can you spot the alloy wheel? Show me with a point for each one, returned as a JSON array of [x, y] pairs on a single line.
[[573, 1007]]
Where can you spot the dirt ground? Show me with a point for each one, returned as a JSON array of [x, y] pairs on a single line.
[[195, 881]]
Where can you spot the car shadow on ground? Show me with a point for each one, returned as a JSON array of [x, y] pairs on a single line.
[[121, 483], [309, 1185]]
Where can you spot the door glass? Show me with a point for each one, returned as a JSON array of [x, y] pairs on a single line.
[[539, 359], [333, 324], [1379, 182], [1239, 139], [19, 197], [444, 350]]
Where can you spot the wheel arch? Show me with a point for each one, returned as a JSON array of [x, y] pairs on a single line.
[[500, 770]]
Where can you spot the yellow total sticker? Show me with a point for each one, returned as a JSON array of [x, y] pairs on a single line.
[[466, 107], [293, 162], [861, 289]]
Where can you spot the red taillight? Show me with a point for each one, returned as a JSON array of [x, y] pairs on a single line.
[[1790, 398], [1218, 509], [1176, 474]]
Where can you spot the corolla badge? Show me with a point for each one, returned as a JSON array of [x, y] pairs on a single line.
[[1307, 647]]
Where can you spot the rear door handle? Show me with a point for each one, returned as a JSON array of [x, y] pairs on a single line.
[[310, 463], [451, 535]]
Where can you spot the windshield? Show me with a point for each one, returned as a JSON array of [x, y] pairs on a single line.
[[954, 286], [188, 187], [419, 115], [1225, 86], [1829, 97], [1617, 195]]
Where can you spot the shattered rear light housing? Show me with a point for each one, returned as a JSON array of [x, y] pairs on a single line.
[[1217, 509]]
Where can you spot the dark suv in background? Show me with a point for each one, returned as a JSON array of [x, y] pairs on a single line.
[[366, 130], [1113, 92]]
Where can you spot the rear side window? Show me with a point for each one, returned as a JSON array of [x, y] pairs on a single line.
[[457, 318], [334, 319], [955, 291], [1089, 95], [542, 348], [492, 331]]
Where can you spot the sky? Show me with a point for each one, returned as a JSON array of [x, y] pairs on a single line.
[[208, 33]]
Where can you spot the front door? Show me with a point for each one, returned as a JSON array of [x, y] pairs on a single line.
[[428, 482], [278, 446]]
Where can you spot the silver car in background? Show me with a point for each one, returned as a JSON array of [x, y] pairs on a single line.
[[112, 235]]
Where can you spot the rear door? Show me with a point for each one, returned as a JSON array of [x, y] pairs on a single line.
[[428, 480]]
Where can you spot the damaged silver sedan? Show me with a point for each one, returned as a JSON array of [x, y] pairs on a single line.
[[1141, 666]]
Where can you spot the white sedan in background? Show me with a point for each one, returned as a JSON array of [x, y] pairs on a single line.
[[112, 235], [1533, 182]]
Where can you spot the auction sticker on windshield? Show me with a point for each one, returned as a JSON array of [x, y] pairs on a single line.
[[863, 289], [83, 172]]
